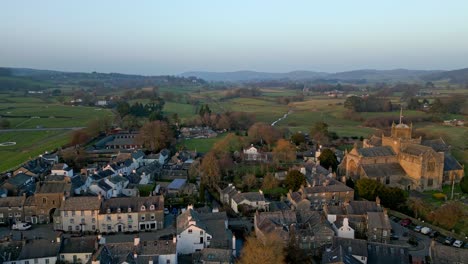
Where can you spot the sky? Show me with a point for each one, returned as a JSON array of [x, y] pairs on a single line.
[[170, 37]]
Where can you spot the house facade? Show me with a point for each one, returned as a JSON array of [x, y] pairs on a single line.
[[79, 214]]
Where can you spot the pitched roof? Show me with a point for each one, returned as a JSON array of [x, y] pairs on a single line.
[[387, 253], [103, 185], [39, 248], [249, 196], [378, 220], [134, 203], [351, 246], [19, 179], [416, 150], [78, 181], [375, 141], [81, 203], [450, 163], [138, 154], [53, 187], [376, 151], [209, 255], [362, 207], [383, 170], [331, 185], [176, 184], [448, 255], [14, 201], [436, 144], [78, 245], [278, 222], [60, 166]]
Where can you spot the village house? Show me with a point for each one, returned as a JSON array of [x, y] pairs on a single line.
[[196, 231], [80, 183], [101, 188], [62, 169], [311, 229], [78, 249], [12, 210], [137, 252], [213, 256], [252, 200], [117, 183], [122, 141], [327, 191], [132, 214], [378, 227], [19, 184], [79, 214], [37, 251], [252, 154]]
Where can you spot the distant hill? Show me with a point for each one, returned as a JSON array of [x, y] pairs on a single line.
[[367, 75], [239, 76], [455, 76]]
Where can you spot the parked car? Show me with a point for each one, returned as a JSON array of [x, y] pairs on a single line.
[[21, 226], [433, 234], [457, 243], [418, 228], [449, 240], [426, 230], [405, 222]]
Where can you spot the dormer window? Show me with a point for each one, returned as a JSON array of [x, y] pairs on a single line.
[[129, 209], [152, 207], [118, 210], [143, 208], [108, 210]]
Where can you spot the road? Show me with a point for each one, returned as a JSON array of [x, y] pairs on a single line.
[[423, 241], [39, 129]]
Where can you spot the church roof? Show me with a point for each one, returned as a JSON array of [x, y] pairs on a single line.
[[436, 144], [376, 151], [416, 150], [375, 141], [450, 163], [383, 170]]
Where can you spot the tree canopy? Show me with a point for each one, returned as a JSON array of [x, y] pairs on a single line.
[[255, 251], [155, 135], [328, 159], [294, 180]]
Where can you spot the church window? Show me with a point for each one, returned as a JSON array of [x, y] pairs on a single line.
[[431, 166], [430, 182], [387, 180]]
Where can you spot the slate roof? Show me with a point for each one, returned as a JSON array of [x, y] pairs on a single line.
[[383, 170], [81, 203], [387, 253], [278, 206], [375, 141], [450, 163], [338, 255], [138, 154], [53, 187], [176, 184], [135, 203], [362, 207], [60, 166], [249, 196], [13, 201], [447, 255], [416, 150], [351, 246], [209, 255], [78, 245], [436, 144], [277, 222], [376, 151], [117, 179], [19, 180], [332, 186], [378, 220], [78, 181], [39, 248], [116, 253], [103, 185]]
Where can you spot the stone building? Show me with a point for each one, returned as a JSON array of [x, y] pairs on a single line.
[[48, 198], [12, 209], [403, 161], [79, 214]]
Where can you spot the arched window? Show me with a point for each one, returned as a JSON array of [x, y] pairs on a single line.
[[152, 207], [143, 208]]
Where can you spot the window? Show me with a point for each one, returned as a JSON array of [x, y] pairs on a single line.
[[77, 228], [72, 221], [44, 200], [143, 208], [36, 261], [152, 217], [82, 220], [53, 202], [65, 213], [82, 213], [384, 233], [70, 228], [93, 220], [129, 217], [109, 227], [93, 227], [431, 166], [130, 226], [201, 232], [387, 180], [26, 262], [119, 217], [73, 213], [142, 218], [152, 207], [190, 231], [430, 182], [108, 218], [168, 261]]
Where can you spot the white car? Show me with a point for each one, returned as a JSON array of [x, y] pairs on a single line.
[[21, 226], [426, 230], [457, 243]]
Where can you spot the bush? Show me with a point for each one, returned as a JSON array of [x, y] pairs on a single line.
[[439, 196]]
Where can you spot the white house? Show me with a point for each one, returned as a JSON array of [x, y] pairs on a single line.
[[117, 183], [62, 169], [79, 214], [78, 249], [37, 251], [252, 154], [101, 188], [344, 230], [255, 200], [196, 231], [80, 183]]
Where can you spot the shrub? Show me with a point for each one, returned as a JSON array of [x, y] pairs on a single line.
[[439, 196]]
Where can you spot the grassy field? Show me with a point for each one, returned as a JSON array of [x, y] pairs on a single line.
[[200, 145], [29, 145]]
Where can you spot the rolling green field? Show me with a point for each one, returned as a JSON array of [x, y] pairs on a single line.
[[25, 112]]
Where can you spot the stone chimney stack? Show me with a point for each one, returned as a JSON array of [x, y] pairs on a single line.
[[136, 241]]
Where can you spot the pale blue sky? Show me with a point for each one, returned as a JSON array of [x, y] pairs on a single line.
[[170, 37]]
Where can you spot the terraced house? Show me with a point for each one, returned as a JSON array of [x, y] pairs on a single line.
[[79, 214]]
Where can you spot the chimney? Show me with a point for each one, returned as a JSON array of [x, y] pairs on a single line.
[[234, 245], [136, 241], [174, 239], [260, 191], [377, 200], [58, 239], [345, 222], [99, 196]]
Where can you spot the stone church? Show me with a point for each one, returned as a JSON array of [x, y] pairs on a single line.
[[403, 161]]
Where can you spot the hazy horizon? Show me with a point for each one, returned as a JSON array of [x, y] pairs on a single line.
[[152, 38]]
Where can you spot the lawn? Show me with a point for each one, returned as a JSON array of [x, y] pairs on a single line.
[[202, 145], [29, 145]]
